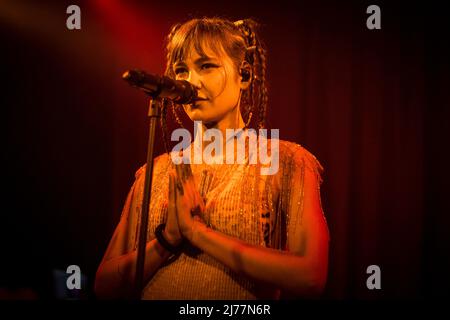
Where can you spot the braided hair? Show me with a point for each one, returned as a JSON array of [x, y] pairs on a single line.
[[240, 42]]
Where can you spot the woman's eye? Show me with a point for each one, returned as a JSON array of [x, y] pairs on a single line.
[[180, 71], [208, 66]]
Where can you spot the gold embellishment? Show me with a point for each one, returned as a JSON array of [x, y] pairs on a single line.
[[302, 191], [238, 195]]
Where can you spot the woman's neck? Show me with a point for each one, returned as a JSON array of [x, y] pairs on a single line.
[[233, 121]]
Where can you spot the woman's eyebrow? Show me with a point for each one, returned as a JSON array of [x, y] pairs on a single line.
[[202, 59], [198, 61]]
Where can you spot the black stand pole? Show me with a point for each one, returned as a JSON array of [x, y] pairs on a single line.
[[153, 113]]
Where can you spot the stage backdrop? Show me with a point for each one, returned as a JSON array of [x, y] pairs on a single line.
[[371, 105]]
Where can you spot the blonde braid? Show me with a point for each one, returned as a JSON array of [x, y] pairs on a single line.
[[168, 71], [256, 56], [263, 94]]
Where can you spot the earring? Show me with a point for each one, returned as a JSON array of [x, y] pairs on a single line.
[[245, 75], [249, 119]]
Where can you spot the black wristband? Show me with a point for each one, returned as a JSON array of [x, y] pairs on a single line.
[[164, 243]]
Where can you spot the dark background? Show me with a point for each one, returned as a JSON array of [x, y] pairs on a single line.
[[371, 105]]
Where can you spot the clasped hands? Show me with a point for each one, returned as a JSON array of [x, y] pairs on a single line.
[[185, 207]]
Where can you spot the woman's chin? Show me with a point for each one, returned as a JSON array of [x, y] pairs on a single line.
[[196, 114]]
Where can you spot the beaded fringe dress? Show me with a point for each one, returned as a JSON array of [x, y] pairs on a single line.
[[262, 210]]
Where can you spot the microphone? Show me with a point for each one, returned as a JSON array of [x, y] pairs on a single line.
[[180, 91]]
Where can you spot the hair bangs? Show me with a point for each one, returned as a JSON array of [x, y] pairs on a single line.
[[198, 35]]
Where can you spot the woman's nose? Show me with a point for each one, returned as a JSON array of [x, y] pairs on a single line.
[[195, 79]]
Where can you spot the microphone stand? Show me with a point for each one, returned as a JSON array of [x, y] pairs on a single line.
[[154, 113], [155, 87]]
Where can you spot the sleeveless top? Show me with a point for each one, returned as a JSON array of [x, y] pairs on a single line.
[[261, 210]]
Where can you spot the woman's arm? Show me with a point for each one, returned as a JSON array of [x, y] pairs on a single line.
[[115, 277]]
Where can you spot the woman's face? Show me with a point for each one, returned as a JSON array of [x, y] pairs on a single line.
[[217, 82]]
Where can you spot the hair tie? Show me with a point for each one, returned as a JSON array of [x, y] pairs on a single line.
[[245, 29]]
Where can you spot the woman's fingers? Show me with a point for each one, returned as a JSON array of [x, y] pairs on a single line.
[[186, 187], [178, 180], [198, 200], [190, 181], [175, 189], [191, 188], [181, 181], [171, 204]]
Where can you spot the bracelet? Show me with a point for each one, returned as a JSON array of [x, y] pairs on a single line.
[[164, 243]]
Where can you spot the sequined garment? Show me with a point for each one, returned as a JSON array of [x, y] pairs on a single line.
[[259, 209]]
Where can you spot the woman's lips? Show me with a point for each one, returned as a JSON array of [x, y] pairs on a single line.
[[197, 101]]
